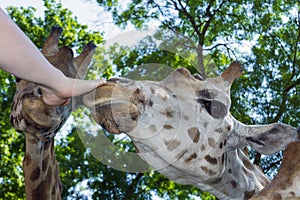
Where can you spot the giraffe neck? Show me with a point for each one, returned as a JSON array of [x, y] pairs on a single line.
[[240, 179], [42, 179]]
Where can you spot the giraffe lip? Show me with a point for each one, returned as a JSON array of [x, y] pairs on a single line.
[[109, 93], [112, 102], [113, 94]]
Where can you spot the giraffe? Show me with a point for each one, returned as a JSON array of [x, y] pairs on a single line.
[[287, 182], [41, 122], [183, 128]]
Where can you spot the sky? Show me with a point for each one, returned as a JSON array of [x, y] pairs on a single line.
[[87, 12]]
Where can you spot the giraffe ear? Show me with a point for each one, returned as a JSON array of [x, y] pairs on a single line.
[[269, 139], [266, 139]]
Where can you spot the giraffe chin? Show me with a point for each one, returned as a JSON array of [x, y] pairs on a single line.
[[116, 117]]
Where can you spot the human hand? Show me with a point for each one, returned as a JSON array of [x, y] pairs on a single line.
[[71, 88]]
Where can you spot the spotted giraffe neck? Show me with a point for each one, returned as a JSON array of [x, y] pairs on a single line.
[[41, 170]]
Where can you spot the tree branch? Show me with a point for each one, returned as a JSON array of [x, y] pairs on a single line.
[[188, 15], [296, 47], [226, 46], [131, 191], [272, 165], [284, 99], [274, 36], [210, 18], [217, 45]]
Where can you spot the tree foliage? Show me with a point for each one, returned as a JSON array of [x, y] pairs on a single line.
[[11, 145]]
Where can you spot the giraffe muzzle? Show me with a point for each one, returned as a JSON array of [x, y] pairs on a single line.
[[114, 107]]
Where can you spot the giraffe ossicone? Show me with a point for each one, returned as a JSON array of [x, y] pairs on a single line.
[[182, 127]]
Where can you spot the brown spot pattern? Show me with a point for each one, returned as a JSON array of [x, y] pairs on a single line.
[[190, 158], [194, 134], [35, 174], [219, 130], [233, 183], [172, 144], [211, 142], [202, 148], [208, 171], [277, 196], [27, 159], [211, 160], [168, 113], [249, 194], [216, 181], [228, 128], [293, 194], [168, 127], [224, 191], [45, 185], [150, 103]]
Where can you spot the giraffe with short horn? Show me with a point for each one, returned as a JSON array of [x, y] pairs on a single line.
[[182, 127], [41, 122], [286, 184]]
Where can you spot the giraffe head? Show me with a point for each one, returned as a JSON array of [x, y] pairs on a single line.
[[183, 128], [119, 104], [29, 113]]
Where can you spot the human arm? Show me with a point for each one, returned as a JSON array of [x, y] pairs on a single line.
[[20, 57]]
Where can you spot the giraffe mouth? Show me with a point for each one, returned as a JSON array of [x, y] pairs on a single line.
[[114, 107], [36, 117]]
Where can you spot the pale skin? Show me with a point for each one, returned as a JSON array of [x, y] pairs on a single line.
[[20, 57]]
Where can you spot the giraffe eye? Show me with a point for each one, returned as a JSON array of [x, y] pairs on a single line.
[[215, 108], [37, 92]]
